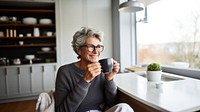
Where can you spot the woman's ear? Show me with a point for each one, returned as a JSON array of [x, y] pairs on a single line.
[[78, 51]]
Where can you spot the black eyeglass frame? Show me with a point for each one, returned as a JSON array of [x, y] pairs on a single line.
[[91, 47]]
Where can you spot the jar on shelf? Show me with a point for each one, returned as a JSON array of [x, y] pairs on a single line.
[[1, 34], [36, 32]]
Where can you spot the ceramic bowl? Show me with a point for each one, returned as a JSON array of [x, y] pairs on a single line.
[[45, 49], [3, 18], [49, 33], [30, 56], [29, 20], [45, 21]]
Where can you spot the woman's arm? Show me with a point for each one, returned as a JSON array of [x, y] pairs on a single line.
[[68, 94], [110, 86], [110, 93]]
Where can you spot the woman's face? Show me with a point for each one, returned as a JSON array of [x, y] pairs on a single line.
[[87, 54]]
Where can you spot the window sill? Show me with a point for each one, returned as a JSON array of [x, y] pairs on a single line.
[[188, 72]]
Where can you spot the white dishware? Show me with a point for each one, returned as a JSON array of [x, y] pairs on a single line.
[[45, 49], [28, 34], [17, 61], [21, 42], [45, 21], [159, 85], [3, 18], [21, 35], [30, 56], [36, 32], [14, 19], [49, 33], [29, 20]]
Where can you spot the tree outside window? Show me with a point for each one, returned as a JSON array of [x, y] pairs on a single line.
[[171, 34]]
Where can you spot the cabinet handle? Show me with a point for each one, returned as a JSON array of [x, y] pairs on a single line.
[[31, 70], [54, 67], [18, 70], [42, 68], [6, 73]]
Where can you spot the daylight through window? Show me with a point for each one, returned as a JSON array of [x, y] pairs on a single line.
[[171, 35]]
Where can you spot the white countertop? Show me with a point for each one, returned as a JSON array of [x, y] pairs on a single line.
[[179, 95]]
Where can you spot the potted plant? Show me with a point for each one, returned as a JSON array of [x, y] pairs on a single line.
[[154, 72]]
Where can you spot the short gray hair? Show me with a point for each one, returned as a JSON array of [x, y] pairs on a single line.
[[81, 35]]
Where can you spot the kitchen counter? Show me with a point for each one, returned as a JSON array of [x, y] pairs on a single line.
[[178, 94]]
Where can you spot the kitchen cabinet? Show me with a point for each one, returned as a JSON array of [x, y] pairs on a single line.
[[9, 82], [3, 82], [14, 32], [49, 76], [36, 78], [13, 81], [24, 81], [27, 78]]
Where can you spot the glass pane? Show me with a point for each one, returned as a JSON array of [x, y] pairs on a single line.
[[172, 34]]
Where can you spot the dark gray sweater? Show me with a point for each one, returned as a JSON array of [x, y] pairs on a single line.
[[73, 94]]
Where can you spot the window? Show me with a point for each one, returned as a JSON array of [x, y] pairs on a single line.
[[171, 35]]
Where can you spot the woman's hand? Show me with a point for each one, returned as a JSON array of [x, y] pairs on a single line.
[[93, 70], [115, 70]]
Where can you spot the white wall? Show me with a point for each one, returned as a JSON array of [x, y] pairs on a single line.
[[72, 15]]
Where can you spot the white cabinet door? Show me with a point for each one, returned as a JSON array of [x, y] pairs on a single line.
[[36, 79], [49, 77], [25, 80], [13, 81], [2, 82], [43, 78], [22, 81]]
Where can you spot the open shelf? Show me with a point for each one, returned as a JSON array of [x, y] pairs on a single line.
[[15, 32], [27, 45], [46, 52], [32, 37], [26, 25], [26, 11]]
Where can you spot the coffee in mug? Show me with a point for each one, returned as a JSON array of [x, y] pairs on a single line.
[[106, 64]]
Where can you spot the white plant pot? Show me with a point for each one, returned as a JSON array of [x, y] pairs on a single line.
[[154, 76]]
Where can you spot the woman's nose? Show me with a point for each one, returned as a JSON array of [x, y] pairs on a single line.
[[95, 51]]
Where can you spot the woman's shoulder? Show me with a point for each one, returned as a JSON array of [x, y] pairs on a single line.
[[66, 66]]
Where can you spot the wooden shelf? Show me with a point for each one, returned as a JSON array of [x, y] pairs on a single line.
[[46, 52], [26, 25], [26, 11], [9, 45], [27, 45], [25, 37], [10, 22]]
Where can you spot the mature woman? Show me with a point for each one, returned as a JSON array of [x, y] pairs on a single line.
[[81, 86]]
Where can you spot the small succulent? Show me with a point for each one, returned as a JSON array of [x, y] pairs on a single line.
[[154, 67]]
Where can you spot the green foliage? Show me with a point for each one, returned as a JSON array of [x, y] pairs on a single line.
[[154, 67]]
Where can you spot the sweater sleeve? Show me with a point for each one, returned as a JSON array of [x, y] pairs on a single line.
[[110, 93], [68, 96]]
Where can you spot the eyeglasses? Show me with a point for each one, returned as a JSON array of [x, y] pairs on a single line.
[[91, 47]]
